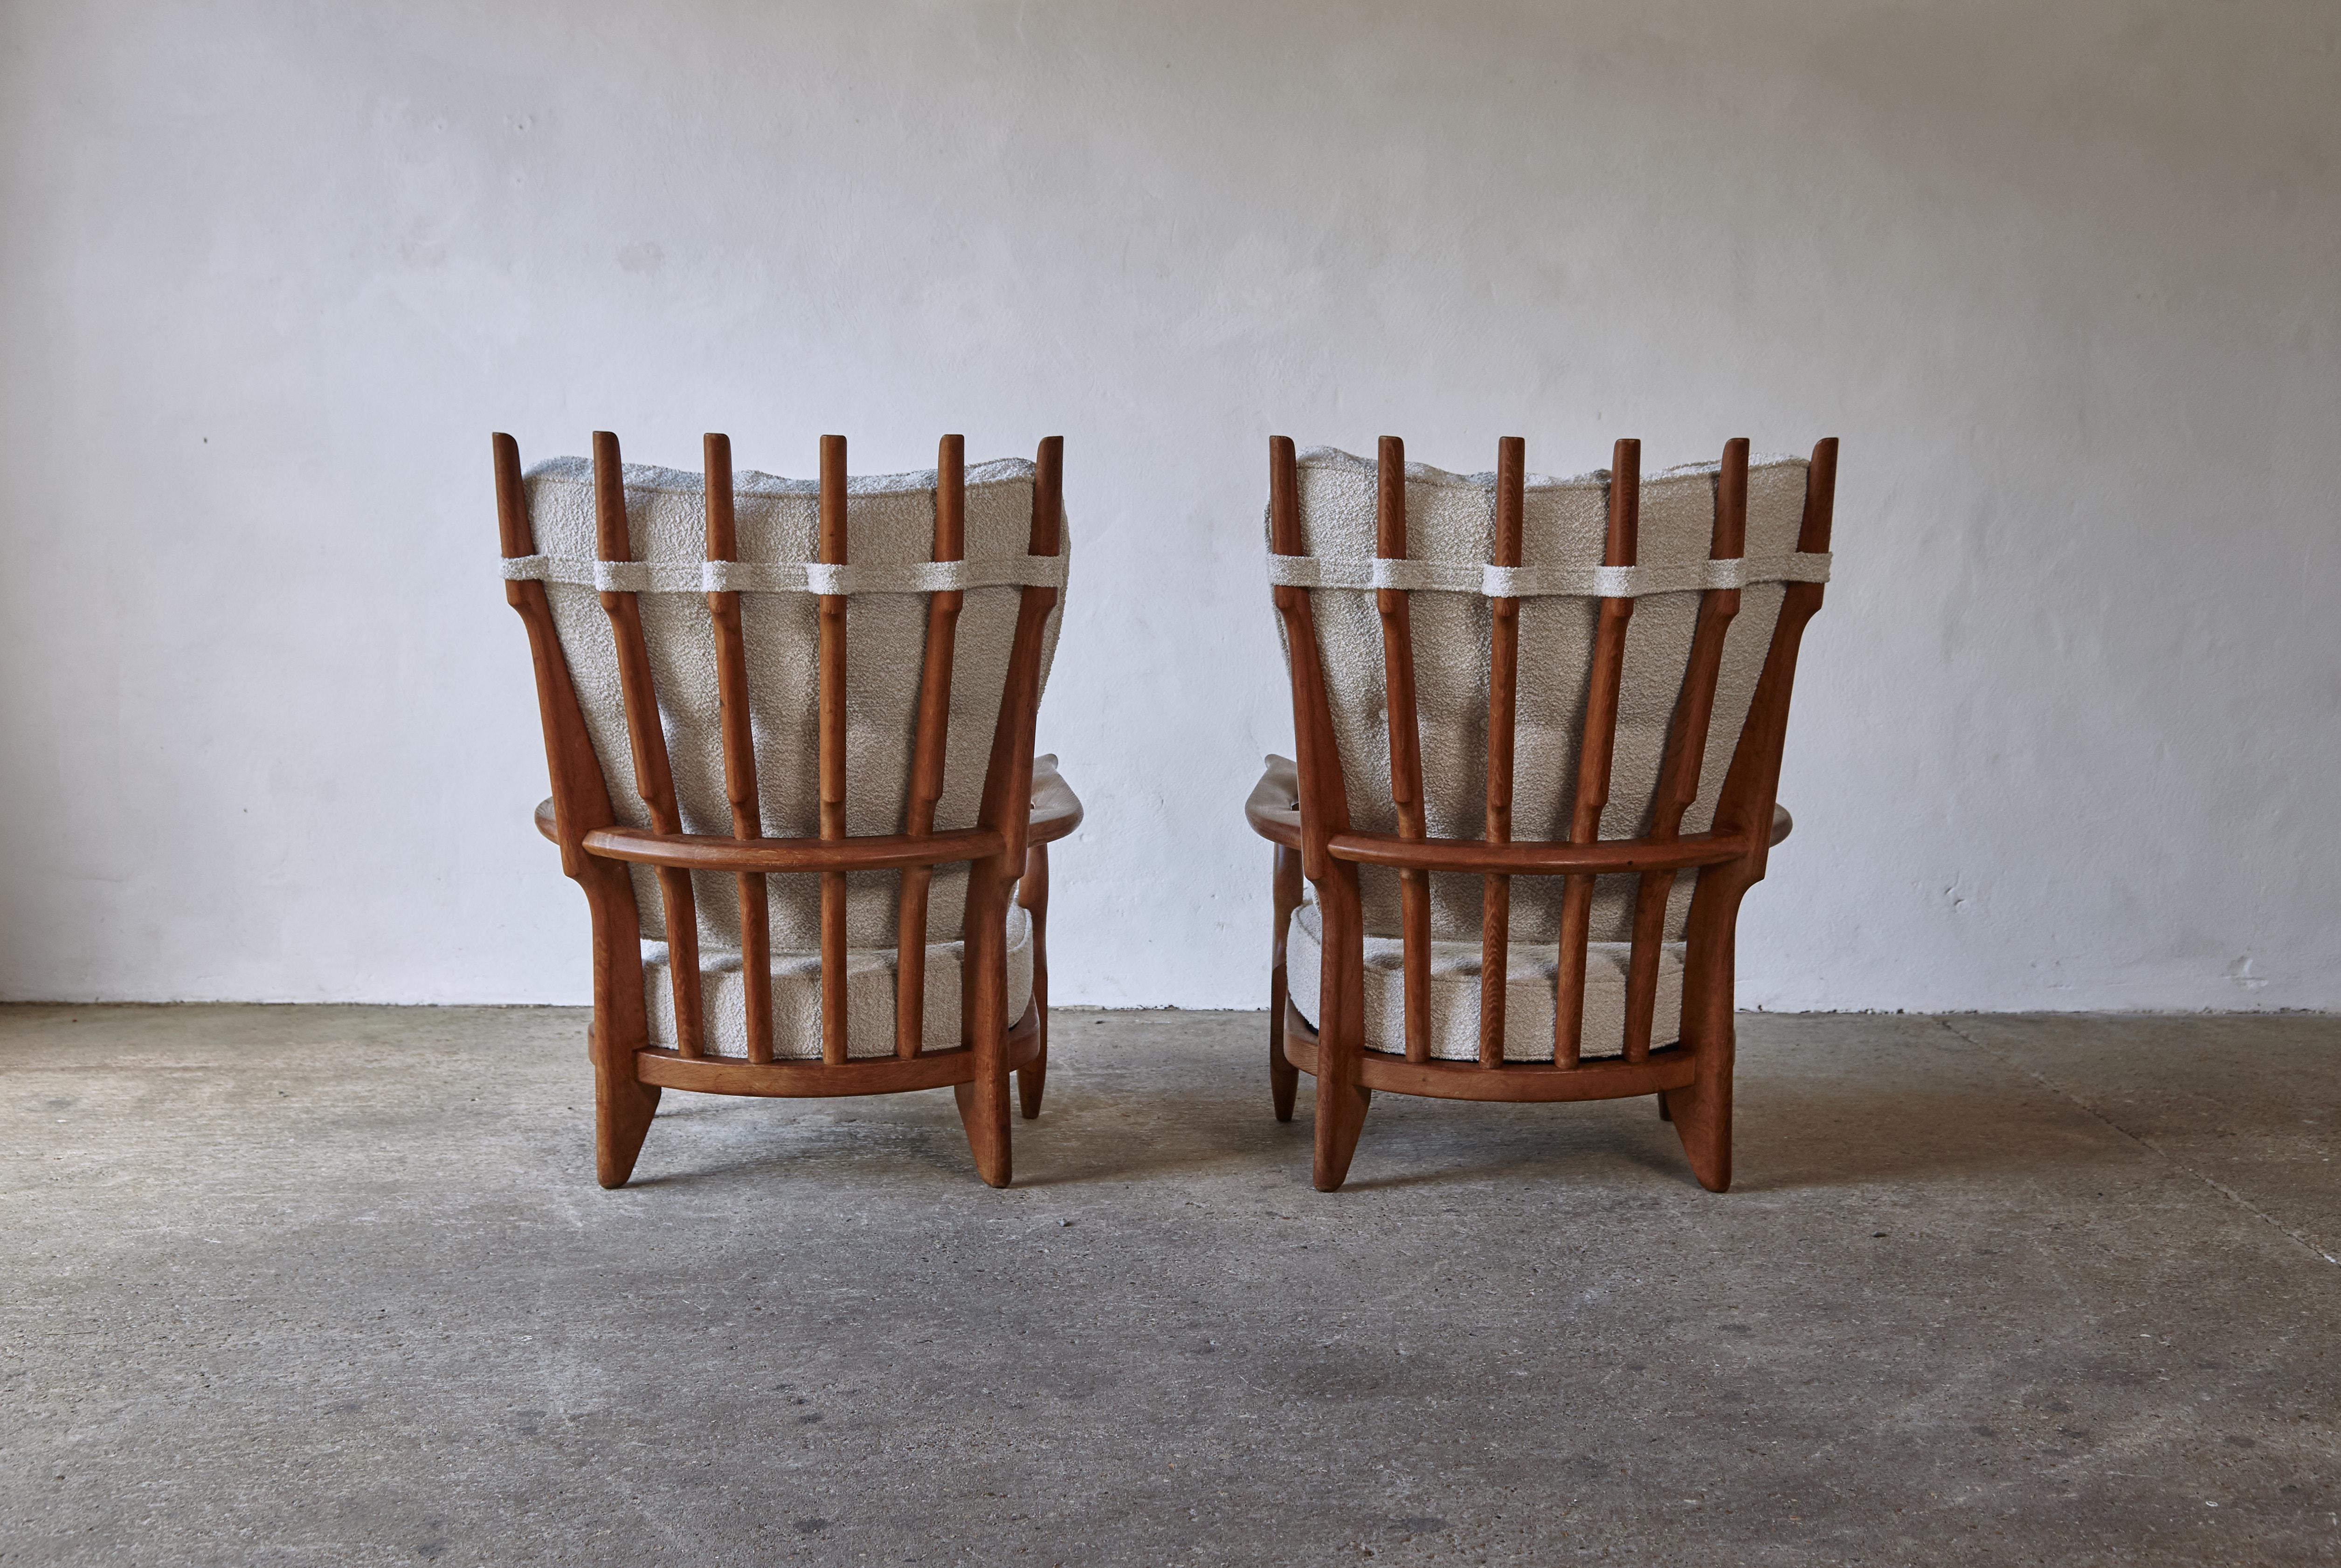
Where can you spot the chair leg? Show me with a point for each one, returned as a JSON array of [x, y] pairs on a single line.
[[1701, 1111], [1033, 892], [622, 1108], [1283, 1078], [1033, 1076], [984, 1112], [983, 1101], [1340, 1117], [1702, 1118], [1341, 1099]]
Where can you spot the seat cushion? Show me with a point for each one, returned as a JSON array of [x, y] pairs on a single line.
[[1531, 980], [796, 996]]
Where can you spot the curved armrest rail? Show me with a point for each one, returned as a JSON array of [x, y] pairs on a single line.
[[1274, 813], [1056, 811]]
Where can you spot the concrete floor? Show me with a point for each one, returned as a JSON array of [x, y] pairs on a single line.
[[335, 1286]]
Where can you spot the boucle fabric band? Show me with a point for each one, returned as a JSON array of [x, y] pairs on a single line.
[[1544, 582], [787, 576]]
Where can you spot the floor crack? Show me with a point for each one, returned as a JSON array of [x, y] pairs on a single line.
[[2222, 1188]]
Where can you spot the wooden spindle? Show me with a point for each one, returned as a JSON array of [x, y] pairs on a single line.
[[1405, 741], [1702, 1111], [1008, 807], [623, 1104], [1594, 752], [832, 751], [739, 738], [1283, 1078], [648, 740], [1033, 896], [928, 749], [1342, 1097], [1021, 710], [1503, 691], [1686, 751], [1324, 794]]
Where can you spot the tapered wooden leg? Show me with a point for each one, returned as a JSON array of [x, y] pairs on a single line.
[[1664, 1114], [1033, 1076], [622, 1108], [984, 1112], [1283, 1078], [1033, 892], [1701, 1112], [984, 1102], [1341, 1099], [1340, 1117], [1702, 1118]]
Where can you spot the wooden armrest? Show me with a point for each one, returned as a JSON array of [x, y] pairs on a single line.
[[1274, 809], [1056, 810]]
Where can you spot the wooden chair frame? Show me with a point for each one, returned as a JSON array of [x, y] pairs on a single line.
[[1303, 809], [1015, 826]]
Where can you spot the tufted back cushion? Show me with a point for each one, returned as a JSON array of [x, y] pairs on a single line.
[[890, 521], [1452, 519]]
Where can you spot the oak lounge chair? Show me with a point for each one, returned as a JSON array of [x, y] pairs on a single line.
[[1524, 709], [790, 728]]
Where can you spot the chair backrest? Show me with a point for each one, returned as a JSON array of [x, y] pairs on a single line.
[[1505, 657], [756, 658]]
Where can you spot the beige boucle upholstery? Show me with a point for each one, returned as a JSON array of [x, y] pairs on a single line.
[[1450, 519], [890, 520]]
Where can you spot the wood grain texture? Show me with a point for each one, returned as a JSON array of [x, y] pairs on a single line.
[[1283, 1078], [1596, 748], [623, 1104], [1007, 794], [1701, 1113], [1517, 1082], [822, 1080], [647, 737], [1405, 743], [1686, 748], [1503, 703], [928, 748], [739, 739], [1324, 802], [1033, 896], [831, 549], [1534, 858]]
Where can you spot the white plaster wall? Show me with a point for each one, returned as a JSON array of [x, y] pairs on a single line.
[[2063, 276]]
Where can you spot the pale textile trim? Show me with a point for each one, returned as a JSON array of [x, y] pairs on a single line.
[[786, 575], [1544, 582]]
